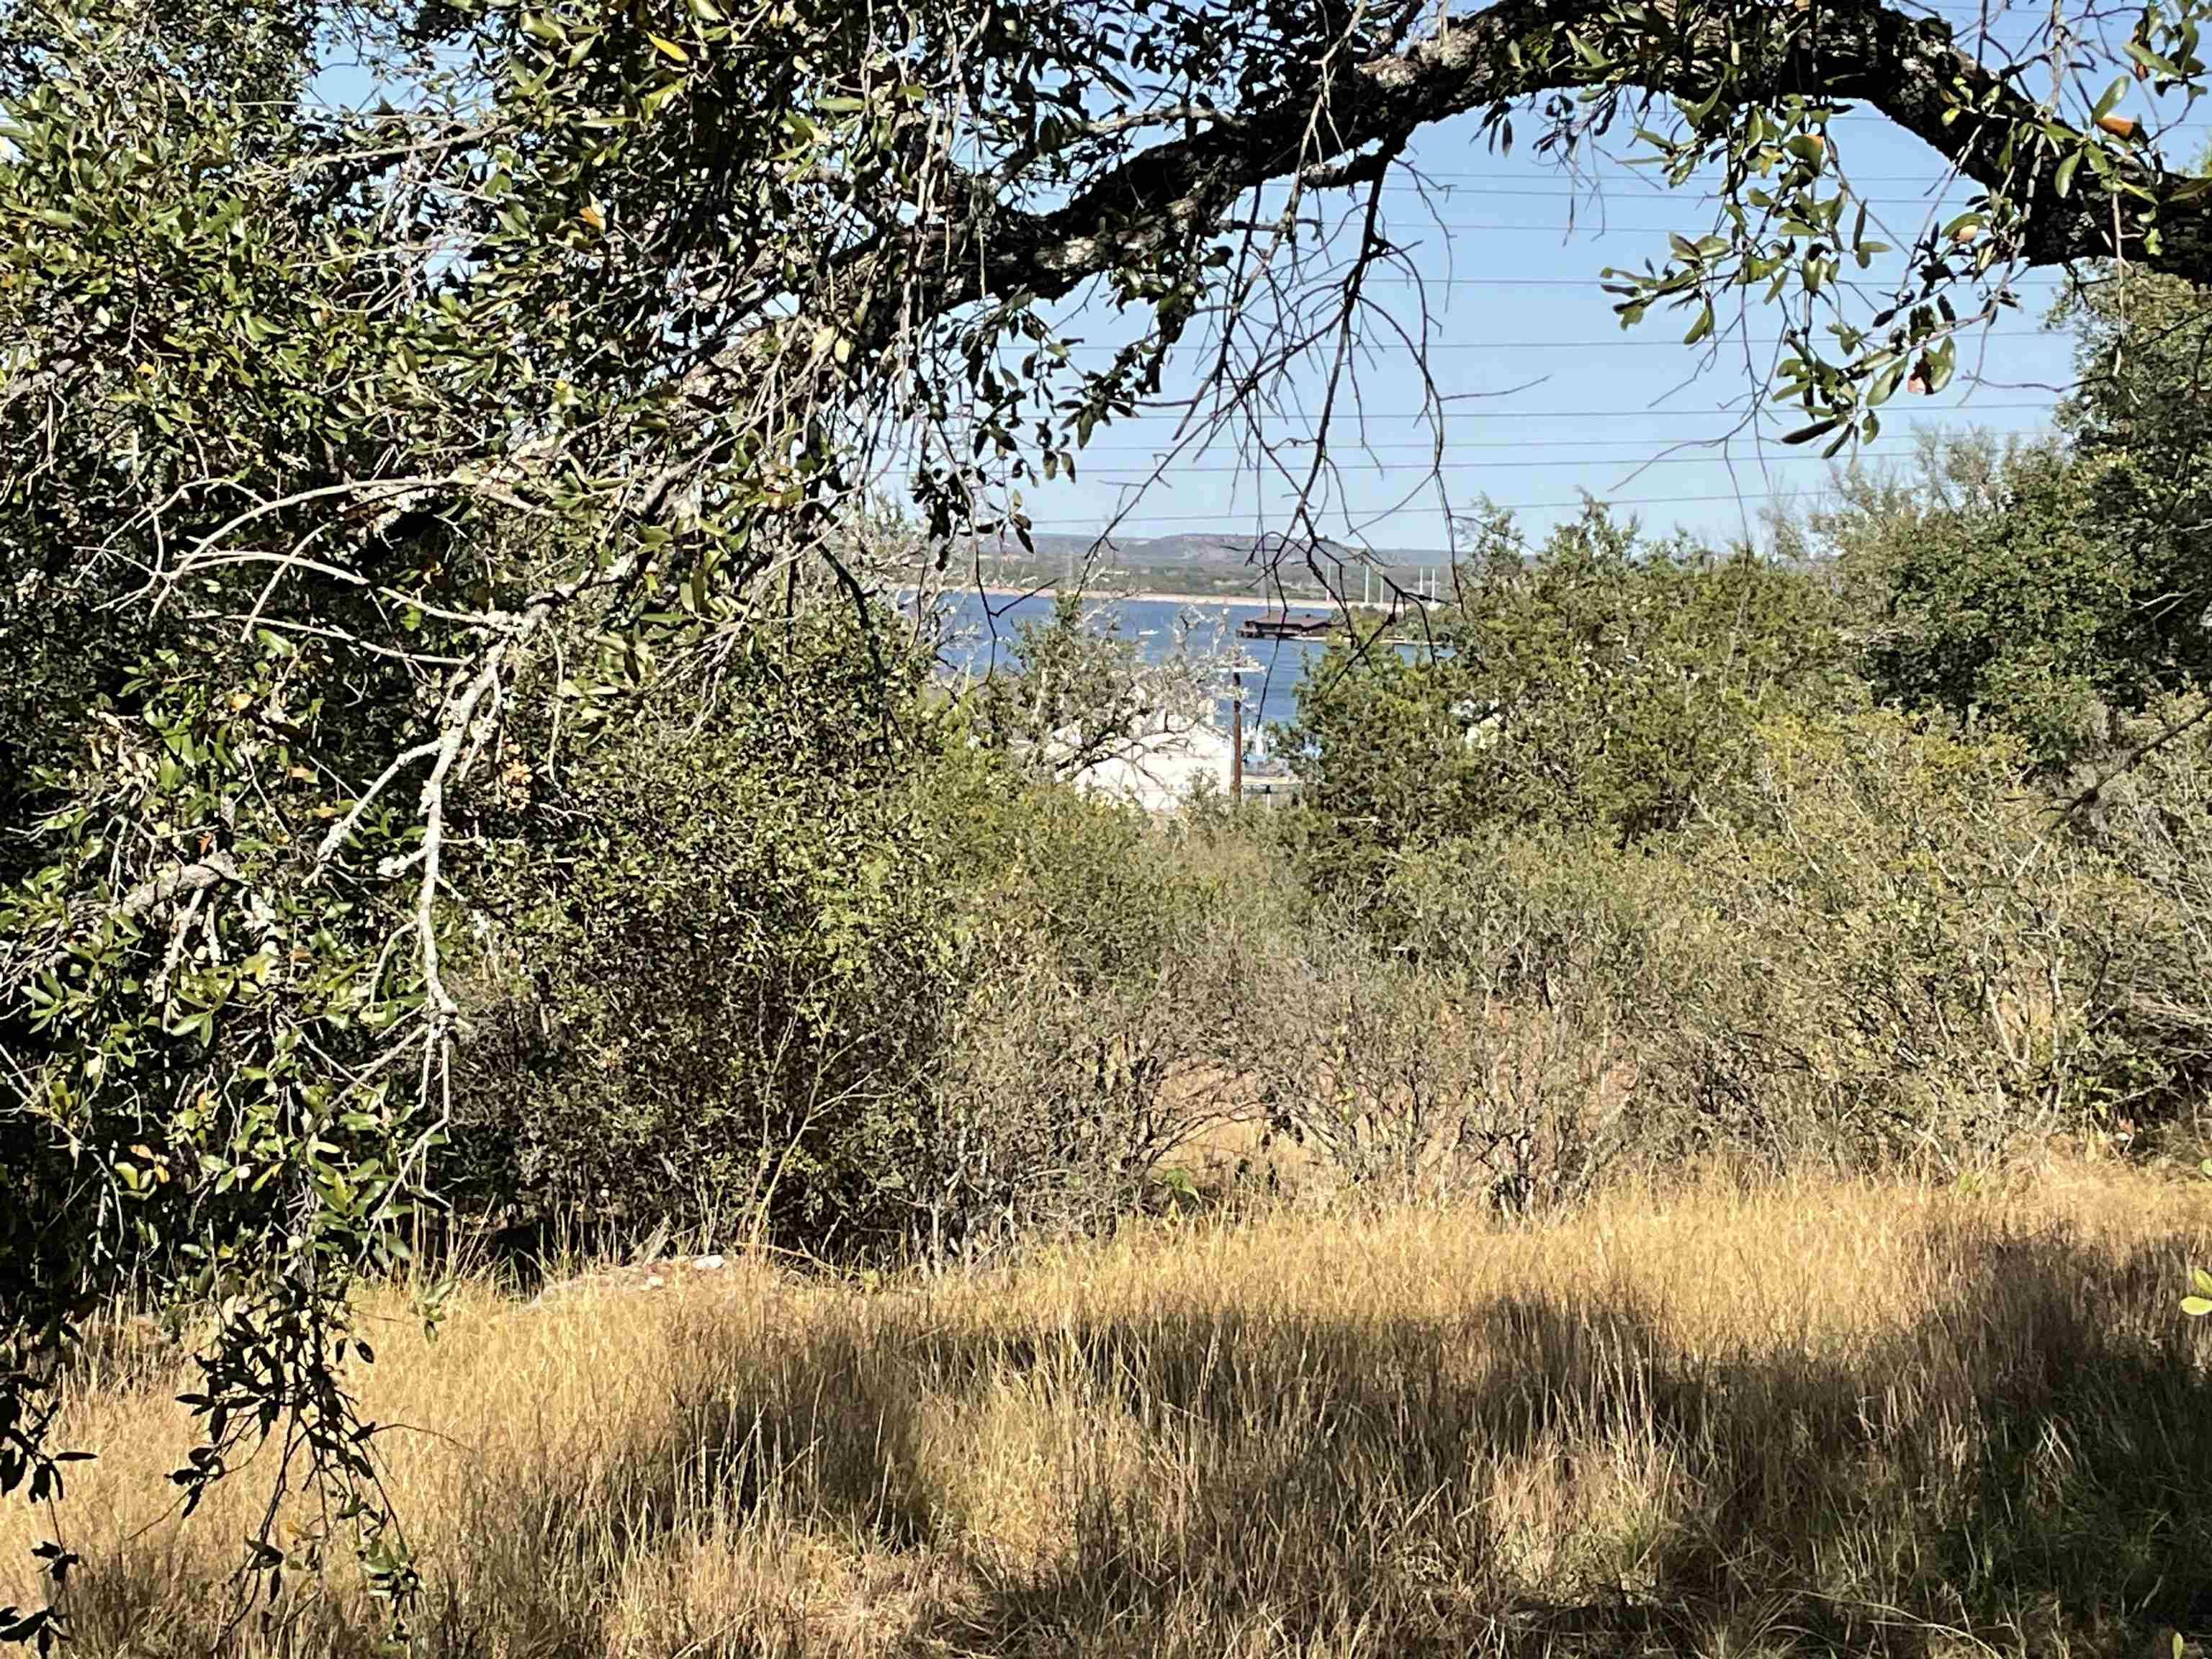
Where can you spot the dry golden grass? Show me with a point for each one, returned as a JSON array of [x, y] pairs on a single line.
[[1729, 1420]]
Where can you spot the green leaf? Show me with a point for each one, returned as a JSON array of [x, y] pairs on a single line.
[[1941, 361], [2110, 96], [2151, 60], [2063, 180], [668, 49], [1702, 327], [2196, 1306], [1805, 434]]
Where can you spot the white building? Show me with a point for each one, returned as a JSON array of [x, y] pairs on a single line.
[[1160, 766], [1170, 760]]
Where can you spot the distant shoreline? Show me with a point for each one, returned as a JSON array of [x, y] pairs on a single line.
[[1225, 601]]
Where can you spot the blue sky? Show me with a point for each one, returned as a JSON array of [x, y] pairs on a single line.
[[1549, 397], [1554, 399], [1557, 399]]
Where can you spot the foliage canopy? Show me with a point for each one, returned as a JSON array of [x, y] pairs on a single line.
[[1598, 681], [362, 470]]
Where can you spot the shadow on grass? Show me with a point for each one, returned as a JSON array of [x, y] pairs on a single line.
[[2027, 1466]]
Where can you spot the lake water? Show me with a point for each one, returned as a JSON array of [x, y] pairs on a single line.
[[981, 637]]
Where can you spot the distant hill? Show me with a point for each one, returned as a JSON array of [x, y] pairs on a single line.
[[1196, 548]]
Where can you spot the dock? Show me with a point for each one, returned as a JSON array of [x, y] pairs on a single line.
[[1287, 627]]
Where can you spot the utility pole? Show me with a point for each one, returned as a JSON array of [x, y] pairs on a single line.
[[1235, 738]]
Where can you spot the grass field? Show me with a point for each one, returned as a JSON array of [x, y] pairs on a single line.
[[1728, 1420]]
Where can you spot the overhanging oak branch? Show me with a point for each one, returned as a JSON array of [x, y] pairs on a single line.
[[1907, 68]]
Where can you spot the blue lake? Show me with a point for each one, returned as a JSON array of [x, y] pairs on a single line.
[[981, 628]]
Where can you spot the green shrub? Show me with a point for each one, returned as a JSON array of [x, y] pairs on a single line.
[[1877, 945], [2153, 823], [817, 964], [1127, 962], [1602, 683], [811, 964], [1909, 978], [719, 993], [1993, 595]]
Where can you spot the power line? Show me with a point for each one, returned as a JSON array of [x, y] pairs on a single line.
[[1355, 461], [1632, 173], [1612, 344], [1544, 443], [1452, 409], [1608, 230], [1661, 193], [1227, 518], [1597, 283], [1566, 230], [1631, 178], [1595, 197]]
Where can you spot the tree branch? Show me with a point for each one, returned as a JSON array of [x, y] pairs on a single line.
[[1905, 68]]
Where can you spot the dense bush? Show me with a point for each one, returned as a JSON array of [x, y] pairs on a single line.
[[2048, 587], [2153, 821], [2138, 423], [1878, 945], [1129, 965], [887, 992], [1626, 864], [1599, 681], [1992, 593], [718, 992], [807, 963], [1650, 867]]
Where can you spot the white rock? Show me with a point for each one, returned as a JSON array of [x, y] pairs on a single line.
[[706, 1264], [653, 1281]]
